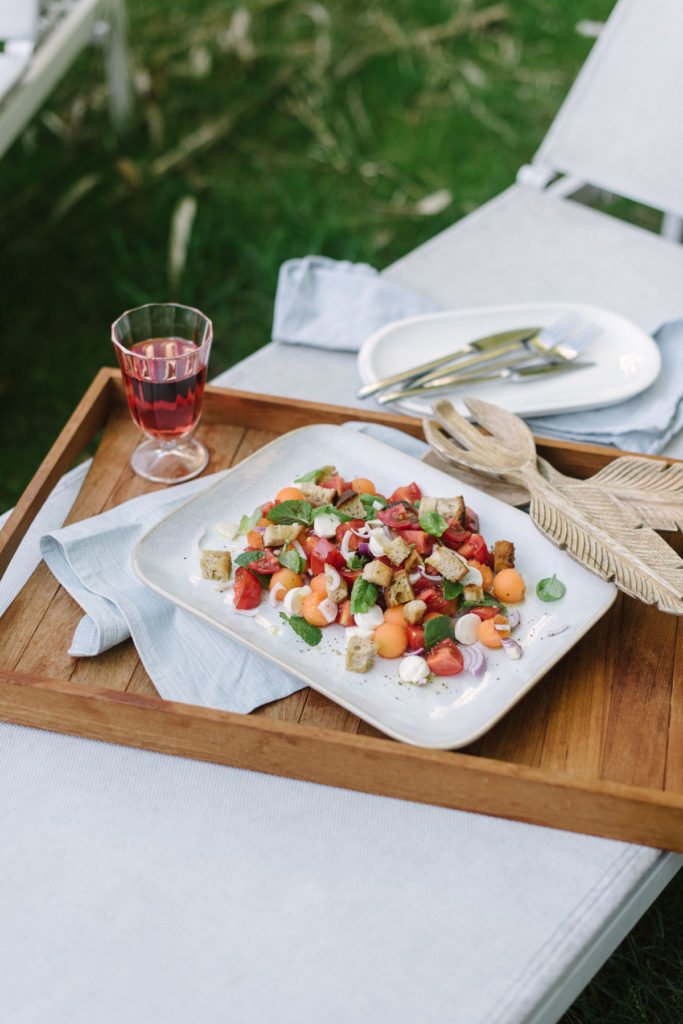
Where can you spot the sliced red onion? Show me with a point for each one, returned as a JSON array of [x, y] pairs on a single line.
[[344, 546], [260, 529], [328, 609], [299, 550], [423, 572], [364, 549], [389, 533], [514, 618], [414, 576], [556, 632], [472, 520], [420, 651], [473, 659], [512, 648], [364, 531], [273, 594], [502, 627]]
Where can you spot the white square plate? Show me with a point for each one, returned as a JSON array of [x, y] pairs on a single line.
[[447, 713]]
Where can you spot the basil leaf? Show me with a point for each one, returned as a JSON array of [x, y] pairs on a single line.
[[368, 501], [315, 475], [486, 602], [249, 556], [433, 523], [291, 559], [289, 512], [331, 510], [312, 635], [247, 523], [551, 589], [451, 589], [363, 596], [356, 561], [438, 629]]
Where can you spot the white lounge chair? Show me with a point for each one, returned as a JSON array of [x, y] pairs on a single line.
[[41, 40], [618, 130]]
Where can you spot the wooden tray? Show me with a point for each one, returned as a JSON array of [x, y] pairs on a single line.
[[597, 747]]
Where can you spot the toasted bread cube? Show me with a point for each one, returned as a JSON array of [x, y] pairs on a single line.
[[449, 508], [503, 555], [399, 590], [397, 551], [274, 535], [352, 506], [414, 611], [379, 573], [412, 561], [472, 592], [317, 495], [451, 566], [337, 591], [215, 565], [360, 654]]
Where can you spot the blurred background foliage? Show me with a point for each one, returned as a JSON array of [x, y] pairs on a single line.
[[261, 132]]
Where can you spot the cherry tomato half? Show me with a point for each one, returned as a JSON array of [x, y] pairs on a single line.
[[344, 528], [400, 516], [247, 589], [416, 637], [266, 564], [324, 553], [423, 542], [411, 494], [475, 548], [445, 659]]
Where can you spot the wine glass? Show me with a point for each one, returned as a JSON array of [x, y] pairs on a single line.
[[163, 351]]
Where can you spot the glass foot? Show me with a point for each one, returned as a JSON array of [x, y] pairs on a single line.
[[169, 464]]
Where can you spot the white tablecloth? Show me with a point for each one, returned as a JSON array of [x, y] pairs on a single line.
[[157, 889]]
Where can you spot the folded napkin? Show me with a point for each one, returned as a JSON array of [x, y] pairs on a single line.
[[187, 659], [336, 304]]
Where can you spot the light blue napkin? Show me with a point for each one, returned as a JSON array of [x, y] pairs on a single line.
[[187, 659], [336, 304]]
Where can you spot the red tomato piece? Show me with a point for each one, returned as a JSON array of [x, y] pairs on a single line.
[[343, 528], [267, 507], [486, 612], [401, 516], [411, 494], [325, 553], [247, 589], [471, 520], [423, 542], [445, 659], [266, 565], [475, 548], [344, 617], [350, 575], [416, 637], [337, 482], [454, 537]]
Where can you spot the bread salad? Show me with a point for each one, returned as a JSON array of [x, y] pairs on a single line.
[[408, 576]]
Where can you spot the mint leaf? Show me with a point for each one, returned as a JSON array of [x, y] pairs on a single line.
[[248, 523], [356, 561], [248, 556], [368, 501], [363, 596], [315, 475], [291, 559], [331, 510], [433, 523], [438, 629], [551, 589], [289, 512], [451, 590], [312, 635]]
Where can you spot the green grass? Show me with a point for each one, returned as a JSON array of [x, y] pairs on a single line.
[[342, 119]]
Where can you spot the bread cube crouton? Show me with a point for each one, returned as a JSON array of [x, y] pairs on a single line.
[[472, 592], [379, 573], [414, 611], [215, 565], [335, 586], [399, 590], [360, 654], [276, 535], [351, 505], [449, 508], [451, 566], [412, 561], [317, 495], [503, 555], [397, 551]]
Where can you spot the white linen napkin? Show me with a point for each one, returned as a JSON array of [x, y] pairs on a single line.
[[187, 659], [338, 305]]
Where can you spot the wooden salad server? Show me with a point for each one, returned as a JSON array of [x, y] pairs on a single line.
[[589, 519]]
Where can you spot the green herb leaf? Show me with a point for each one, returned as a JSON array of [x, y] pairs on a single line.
[[486, 602], [331, 510], [315, 475], [551, 589], [248, 556], [433, 523], [248, 523], [363, 596], [312, 635], [356, 561], [451, 589], [368, 501], [291, 559], [289, 512], [438, 629]]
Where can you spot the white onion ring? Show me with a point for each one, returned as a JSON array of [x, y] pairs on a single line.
[[299, 550], [328, 609], [473, 659], [363, 532], [273, 595], [502, 627], [514, 618], [260, 529], [344, 546], [512, 648], [423, 572]]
